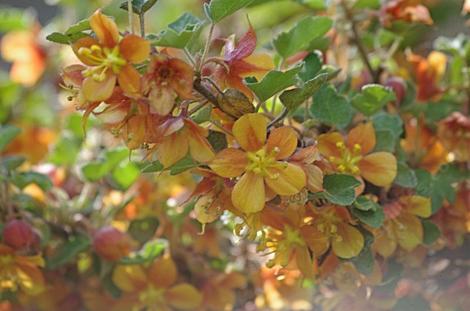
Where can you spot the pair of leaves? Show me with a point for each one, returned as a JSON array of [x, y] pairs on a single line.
[[372, 98], [339, 188], [368, 212], [72, 34]]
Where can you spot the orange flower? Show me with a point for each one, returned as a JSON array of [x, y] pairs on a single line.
[[219, 291], [239, 62], [332, 226], [20, 272], [33, 142], [287, 237], [428, 73], [353, 155], [167, 78], [423, 148], [306, 158], [406, 10], [154, 288], [402, 225], [454, 132], [110, 59], [28, 57], [180, 136], [260, 164]]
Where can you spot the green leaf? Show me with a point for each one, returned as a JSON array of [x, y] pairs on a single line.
[[182, 165], [96, 170], [291, 99], [314, 4], [12, 162], [23, 179], [339, 188], [406, 177], [65, 152], [274, 82], [430, 232], [203, 115], [311, 66], [143, 229], [372, 98], [12, 19], [370, 213], [68, 251], [139, 6], [331, 108], [7, 134], [301, 35], [218, 9], [364, 262], [151, 167], [125, 174], [179, 33], [367, 4], [440, 186], [388, 129], [147, 253], [217, 140], [61, 38], [82, 25]]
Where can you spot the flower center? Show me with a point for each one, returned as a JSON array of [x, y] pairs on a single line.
[[6, 260], [261, 161], [104, 58], [327, 225], [151, 296], [348, 159]]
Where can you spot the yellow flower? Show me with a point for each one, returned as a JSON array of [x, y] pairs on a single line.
[[402, 227], [353, 155], [260, 164], [154, 288], [20, 272]]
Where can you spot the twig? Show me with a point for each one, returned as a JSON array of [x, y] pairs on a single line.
[[357, 40], [130, 15], [278, 118], [142, 24], [206, 48]]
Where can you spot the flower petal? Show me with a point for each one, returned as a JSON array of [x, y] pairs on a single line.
[[199, 147], [134, 49], [362, 135], [183, 296], [317, 241], [85, 42], [349, 241], [409, 231], [97, 91], [416, 205], [105, 29], [384, 243], [129, 278], [162, 273], [327, 144], [283, 139], [172, 149], [248, 195], [287, 180], [250, 131], [379, 168], [314, 177], [129, 80], [229, 163]]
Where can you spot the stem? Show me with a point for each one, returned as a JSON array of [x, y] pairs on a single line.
[[357, 40], [207, 46], [189, 57], [130, 14], [142, 24], [278, 118]]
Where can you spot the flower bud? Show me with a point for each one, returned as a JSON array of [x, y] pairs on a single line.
[[19, 234], [398, 86], [111, 244]]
